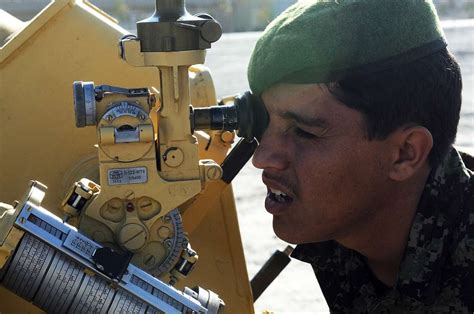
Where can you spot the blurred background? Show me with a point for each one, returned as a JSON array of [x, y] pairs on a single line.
[[234, 15], [296, 289]]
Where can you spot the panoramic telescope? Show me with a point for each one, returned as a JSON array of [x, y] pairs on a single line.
[[120, 238]]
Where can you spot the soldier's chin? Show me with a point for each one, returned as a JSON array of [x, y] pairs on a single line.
[[298, 235], [286, 232]]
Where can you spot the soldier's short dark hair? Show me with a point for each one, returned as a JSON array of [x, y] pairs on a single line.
[[425, 92]]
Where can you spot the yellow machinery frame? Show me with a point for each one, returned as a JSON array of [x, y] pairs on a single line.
[[71, 40]]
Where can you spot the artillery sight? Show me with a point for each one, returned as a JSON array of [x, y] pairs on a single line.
[[124, 241]]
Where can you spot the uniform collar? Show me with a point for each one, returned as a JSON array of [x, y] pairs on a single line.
[[429, 240]]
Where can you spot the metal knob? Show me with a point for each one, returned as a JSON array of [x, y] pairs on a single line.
[[84, 103]]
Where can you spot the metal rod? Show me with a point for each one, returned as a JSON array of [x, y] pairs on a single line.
[[170, 8], [269, 271]]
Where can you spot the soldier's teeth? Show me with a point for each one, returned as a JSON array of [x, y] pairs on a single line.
[[280, 198], [277, 192]]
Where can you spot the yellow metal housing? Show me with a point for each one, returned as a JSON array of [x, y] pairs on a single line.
[[73, 40]]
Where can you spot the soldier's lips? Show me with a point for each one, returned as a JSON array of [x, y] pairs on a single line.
[[277, 201]]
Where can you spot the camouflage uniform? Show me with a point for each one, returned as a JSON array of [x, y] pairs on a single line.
[[437, 271]]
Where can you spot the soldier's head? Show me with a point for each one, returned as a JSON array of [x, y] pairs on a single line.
[[363, 99]]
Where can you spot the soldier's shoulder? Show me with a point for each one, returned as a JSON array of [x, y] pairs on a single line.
[[457, 282], [467, 155]]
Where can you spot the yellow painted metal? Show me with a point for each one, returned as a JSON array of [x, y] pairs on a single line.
[[9, 245], [72, 40], [11, 303], [9, 236], [67, 41], [135, 57], [217, 269]]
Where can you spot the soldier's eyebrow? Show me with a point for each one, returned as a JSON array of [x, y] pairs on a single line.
[[306, 120]]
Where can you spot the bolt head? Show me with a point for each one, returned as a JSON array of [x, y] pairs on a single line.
[[228, 137], [214, 172], [133, 236], [149, 260], [164, 232], [129, 195], [173, 157]]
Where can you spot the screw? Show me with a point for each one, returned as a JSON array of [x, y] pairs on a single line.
[[164, 232], [227, 137], [129, 195], [166, 219], [168, 243], [113, 208], [152, 100], [145, 205], [214, 173], [149, 260], [133, 236], [114, 205]]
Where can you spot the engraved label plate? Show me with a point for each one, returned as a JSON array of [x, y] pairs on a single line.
[[80, 245], [120, 176]]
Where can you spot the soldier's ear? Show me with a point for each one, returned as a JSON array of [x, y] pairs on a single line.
[[411, 146]]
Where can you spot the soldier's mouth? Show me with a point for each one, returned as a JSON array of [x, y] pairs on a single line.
[[278, 196]]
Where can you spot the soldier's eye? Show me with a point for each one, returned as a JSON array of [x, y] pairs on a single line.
[[303, 134]]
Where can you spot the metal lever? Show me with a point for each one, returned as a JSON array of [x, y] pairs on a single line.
[[269, 271]]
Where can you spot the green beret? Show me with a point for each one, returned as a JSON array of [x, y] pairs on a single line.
[[323, 41]]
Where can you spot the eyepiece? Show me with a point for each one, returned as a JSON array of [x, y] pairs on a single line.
[[216, 118], [247, 115]]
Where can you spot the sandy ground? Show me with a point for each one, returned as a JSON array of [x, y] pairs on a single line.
[[296, 289]]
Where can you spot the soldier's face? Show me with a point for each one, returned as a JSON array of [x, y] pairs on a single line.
[[325, 179]]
